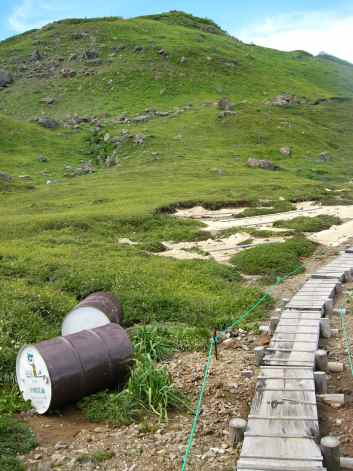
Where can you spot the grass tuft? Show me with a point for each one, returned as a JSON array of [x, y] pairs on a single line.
[[149, 389]]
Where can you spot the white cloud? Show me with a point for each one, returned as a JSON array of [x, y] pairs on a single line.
[[29, 14], [312, 32]]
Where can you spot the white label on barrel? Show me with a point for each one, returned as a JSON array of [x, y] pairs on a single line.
[[33, 378]]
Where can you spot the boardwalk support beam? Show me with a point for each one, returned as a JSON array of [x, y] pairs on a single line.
[[259, 355], [236, 431], [330, 448], [320, 382], [325, 330], [321, 360]]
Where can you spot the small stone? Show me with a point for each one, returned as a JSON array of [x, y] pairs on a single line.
[[286, 151], [247, 374], [47, 122]]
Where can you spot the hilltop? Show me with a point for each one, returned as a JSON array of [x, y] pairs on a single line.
[[108, 125]]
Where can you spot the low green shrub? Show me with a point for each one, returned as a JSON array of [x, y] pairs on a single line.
[[308, 224], [274, 259], [15, 438]]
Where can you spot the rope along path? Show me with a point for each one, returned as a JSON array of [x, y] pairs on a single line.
[[213, 342]]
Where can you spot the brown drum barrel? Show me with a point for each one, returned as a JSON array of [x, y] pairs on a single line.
[[94, 311], [62, 370]]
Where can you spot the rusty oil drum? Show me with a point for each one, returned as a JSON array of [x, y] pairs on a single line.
[[94, 311], [56, 372]]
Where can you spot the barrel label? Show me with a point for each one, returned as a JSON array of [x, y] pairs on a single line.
[[33, 379]]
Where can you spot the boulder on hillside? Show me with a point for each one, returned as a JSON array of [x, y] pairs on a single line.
[[324, 157], [285, 100], [6, 78], [47, 122], [264, 164], [35, 56], [139, 139], [225, 104], [286, 151], [4, 177], [90, 54], [42, 158]]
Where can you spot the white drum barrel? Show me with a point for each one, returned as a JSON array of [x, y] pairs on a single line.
[[63, 370], [94, 311]]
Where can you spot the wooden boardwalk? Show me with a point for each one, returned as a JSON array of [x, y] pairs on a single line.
[[282, 432]]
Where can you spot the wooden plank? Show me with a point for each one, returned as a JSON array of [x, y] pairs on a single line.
[[340, 276], [246, 464], [281, 448], [299, 321], [285, 384], [293, 314], [288, 373]]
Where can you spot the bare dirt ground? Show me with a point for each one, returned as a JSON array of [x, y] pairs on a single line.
[[69, 441]]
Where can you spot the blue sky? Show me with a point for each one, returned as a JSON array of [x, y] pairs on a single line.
[[313, 25]]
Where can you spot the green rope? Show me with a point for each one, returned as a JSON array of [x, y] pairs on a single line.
[[213, 342], [347, 347]]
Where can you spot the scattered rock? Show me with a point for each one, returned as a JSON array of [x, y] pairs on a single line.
[[6, 78], [139, 139], [4, 177], [35, 56], [47, 122], [48, 100], [183, 60], [286, 151], [25, 177], [285, 100], [79, 35], [225, 104], [324, 157], [90, 54], [138, 49], [264, 164], [68, 73], [86, 168], [42, 158], [224, 114]]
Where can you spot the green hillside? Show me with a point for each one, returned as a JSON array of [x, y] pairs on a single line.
[[137, 132]]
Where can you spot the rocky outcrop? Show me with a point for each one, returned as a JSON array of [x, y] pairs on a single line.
[[264, 164], [47, 122], [6, 78]]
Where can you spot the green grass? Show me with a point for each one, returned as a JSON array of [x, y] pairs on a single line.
[[274, 259], [307, 224], [15, 438], [149, 390]]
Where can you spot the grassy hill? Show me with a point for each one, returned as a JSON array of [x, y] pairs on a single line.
[[59, 234]]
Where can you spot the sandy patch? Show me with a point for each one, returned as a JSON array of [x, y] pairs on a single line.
[[220, 250], [216, 221]]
